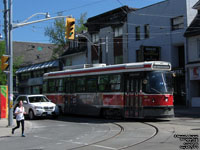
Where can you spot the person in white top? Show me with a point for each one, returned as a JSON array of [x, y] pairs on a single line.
[[19, 112]]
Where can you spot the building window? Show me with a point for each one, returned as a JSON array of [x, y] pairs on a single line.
[[95, 38], [118, 50], [118, 31], [137, 33], [68, 61], [95, 54], [177, 23], [198, 48], [146, 31]]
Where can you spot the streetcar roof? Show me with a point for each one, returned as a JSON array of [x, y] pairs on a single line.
[[119, 68]]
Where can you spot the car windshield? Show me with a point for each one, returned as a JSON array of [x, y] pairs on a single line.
[[37, 99], [158, 83]]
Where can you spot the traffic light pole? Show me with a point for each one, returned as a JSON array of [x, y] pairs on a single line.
[[9, 26], [10, 78]]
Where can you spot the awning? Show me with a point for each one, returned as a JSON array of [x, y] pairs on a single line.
[[38, 66]]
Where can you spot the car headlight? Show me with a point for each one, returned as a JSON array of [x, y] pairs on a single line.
[[38, 107]]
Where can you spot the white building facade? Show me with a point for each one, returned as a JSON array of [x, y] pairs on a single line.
[[156, 32], [192, 35]]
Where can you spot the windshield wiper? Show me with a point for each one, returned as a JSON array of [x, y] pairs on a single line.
[[156, 91]]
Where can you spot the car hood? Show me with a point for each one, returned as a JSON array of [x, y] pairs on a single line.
[[44, 104]]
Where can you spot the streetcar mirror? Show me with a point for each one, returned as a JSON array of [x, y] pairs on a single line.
[[145, 81], [174, 74]]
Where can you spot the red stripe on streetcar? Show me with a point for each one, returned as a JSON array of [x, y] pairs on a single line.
[[98, 70]]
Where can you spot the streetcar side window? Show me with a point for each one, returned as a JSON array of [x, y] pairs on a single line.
[[115, 82], [91, 84], [67, 85], [103, 82], [59, 85], [44, 89], [109, 83], [80, 82], [72, 85], [51, 86]]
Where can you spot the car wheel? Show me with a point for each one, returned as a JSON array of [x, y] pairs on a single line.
[[31, 114]]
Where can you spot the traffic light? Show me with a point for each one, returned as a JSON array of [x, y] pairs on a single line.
[[70, 28], [4, 62]]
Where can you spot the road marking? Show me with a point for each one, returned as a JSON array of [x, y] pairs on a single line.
[[102, 131], [105, 147], [58, 143], [36, 127]]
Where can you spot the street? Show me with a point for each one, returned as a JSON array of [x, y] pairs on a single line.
[[85, 133]]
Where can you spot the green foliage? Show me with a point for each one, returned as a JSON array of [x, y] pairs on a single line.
[[80, 27], [17, 61], [16, 64], [56, 34], [2, 74]]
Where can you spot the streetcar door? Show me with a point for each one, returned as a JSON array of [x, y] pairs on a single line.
[[132, 103]]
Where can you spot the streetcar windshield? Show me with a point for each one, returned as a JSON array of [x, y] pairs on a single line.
[[158, 83]]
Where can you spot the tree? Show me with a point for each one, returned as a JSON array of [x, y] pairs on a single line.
[[17, 61], [56, 34], [80, 27], [2, 74]]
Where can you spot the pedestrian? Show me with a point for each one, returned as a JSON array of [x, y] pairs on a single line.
[[19, 112]]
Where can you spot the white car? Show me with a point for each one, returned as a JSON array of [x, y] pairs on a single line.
[[37, 105]]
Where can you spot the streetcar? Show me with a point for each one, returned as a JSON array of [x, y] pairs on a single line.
[[131, 90]]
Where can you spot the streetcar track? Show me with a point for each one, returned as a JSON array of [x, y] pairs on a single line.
[[129, 146], [95, 143], [112, 137]]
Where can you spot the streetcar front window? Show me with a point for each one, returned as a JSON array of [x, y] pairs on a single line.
[[158, 83]]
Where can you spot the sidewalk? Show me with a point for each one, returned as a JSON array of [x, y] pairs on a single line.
[[182, 111], [5, 131]]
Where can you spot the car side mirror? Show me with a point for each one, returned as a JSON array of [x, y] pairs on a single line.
[[25, 102]]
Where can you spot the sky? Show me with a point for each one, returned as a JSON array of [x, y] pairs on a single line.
[[23, 9]]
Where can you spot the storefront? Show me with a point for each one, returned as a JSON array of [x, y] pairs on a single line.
[[194, 85], [30, 78]]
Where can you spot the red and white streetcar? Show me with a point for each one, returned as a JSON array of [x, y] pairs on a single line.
[[132, 90]]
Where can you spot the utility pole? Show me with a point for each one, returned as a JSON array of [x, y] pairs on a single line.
[[9, 26], [10, 87], [7, 12]]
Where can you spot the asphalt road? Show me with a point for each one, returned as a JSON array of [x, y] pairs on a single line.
[[70, 133]]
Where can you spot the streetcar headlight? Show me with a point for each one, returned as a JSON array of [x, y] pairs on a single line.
[[166, 99], [153, 100]]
